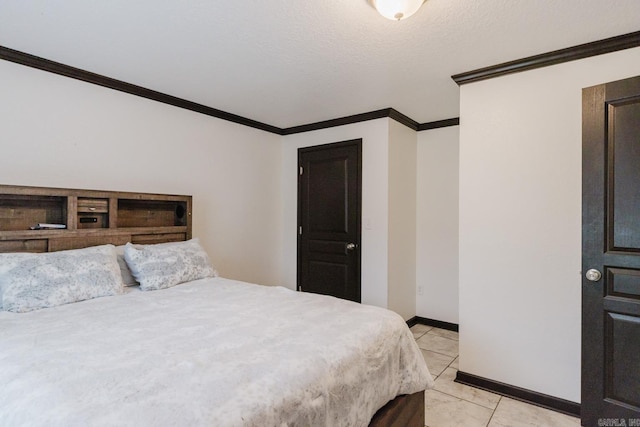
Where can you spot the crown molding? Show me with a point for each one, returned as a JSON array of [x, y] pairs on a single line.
[[586, 50], [100, 80], [341, 121], [43, 64], [439, 124], [402, 119], [372, 115], [613, 44]]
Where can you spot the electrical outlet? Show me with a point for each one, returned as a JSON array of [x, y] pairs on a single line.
[[420, 290]]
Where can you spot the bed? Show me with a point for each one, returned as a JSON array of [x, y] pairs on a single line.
[[209, 351]]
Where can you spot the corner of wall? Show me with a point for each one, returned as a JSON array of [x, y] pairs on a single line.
[[402, 219], [437, 224]]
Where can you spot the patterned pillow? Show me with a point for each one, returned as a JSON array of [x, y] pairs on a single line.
[[127, 277], [34, 281], [166, 265], [7, 262]]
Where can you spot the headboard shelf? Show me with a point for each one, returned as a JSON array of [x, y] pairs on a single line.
[[151, 213], [19, 212], [90, 217]]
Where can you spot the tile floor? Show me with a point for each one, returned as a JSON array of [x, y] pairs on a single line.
[[453, 404]]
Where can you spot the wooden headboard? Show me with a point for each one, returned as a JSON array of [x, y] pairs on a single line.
[[89, 218]]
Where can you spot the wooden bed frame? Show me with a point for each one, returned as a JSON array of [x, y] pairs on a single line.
[[93, 218], [403, 411]]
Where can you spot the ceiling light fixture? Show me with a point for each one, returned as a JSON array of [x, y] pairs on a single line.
[[397, 9]]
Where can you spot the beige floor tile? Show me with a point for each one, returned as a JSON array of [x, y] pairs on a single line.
[[442, 410], [436, 362], [417, 335], [420, 330], [454, 364], [452, 335], [513, 413], [445, 384], [438, 344]]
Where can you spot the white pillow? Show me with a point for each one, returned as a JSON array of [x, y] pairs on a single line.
[[165, 265], [34, 281]]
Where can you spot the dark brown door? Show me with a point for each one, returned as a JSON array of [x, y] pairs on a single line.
[[611, 254], [329, 210]]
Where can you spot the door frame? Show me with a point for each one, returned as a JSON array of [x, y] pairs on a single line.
[[599, 251], [358, 143]]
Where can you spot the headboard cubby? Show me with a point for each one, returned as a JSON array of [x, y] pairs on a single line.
[[39, 219], [151, 213]]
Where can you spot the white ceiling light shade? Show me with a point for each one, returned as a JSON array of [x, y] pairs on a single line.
[[397, 9]]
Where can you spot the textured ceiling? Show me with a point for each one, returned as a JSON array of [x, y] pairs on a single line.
[[288, 62]]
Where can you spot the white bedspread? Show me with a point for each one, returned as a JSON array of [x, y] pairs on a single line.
[[212, 352]]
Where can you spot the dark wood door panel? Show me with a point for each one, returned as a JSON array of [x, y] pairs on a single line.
[[328, 194], [329, 217], [328, 247], [328, 278], [623, 199], [611, 245], [623, 360], [623, 282]]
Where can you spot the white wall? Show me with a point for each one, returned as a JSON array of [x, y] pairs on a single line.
[[375, 165], [437, 224], [402, 220], [61, 132], [520, 223]]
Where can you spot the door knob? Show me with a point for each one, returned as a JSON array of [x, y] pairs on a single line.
[[351, 246], [593, 275]]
